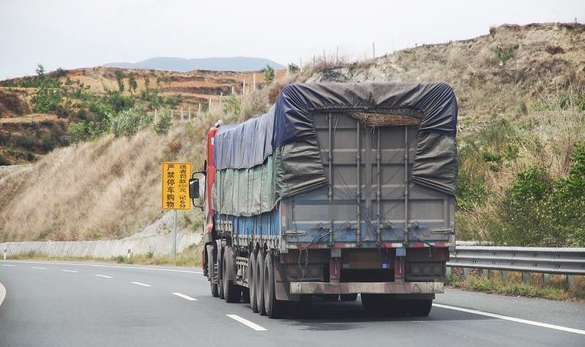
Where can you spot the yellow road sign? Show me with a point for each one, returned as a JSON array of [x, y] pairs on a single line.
[[175, 186]]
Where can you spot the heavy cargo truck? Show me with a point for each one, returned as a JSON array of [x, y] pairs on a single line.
[[339, 189]]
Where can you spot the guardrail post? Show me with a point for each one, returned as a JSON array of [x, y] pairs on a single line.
[[570, 280], [504, 275], [5, 251], [485, 273], [546, 278], [447, 271], [525, 277], [465, 273]]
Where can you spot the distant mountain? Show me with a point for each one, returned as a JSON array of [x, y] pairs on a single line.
[[212, 64]]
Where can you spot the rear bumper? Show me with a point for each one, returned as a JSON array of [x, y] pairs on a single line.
[[366, 287]]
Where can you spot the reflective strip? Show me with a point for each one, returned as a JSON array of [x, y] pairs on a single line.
[[366, 287]]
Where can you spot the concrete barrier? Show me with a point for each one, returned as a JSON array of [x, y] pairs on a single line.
[[159, 245]]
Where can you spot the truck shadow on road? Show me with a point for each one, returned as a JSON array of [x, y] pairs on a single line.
[[342, 316]]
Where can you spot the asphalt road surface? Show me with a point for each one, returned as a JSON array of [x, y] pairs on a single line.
[[85, 304]]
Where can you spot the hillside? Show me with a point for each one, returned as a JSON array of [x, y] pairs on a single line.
[[35, 112], [521, 94]]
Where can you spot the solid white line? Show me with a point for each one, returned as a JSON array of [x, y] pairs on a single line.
[[2, 293], [512, 319], [246, 322], [186, 297], [142, 284], [103, 276], [71, 271], [8, 265], [38, 268]]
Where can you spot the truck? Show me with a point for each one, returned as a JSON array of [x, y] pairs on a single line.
[[339, 189]]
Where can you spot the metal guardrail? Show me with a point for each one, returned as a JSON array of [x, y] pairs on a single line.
[[565, 261]]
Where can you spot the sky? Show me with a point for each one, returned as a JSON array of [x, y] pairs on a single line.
[[72, 34]]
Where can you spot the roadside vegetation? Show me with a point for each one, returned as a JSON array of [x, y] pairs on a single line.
[[556, 289], [189, 257]]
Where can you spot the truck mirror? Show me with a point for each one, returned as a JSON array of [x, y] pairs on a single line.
[[194, 188]]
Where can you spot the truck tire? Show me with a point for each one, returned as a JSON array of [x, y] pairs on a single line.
[[274, 308], [230, 291], [259, 283], [218, 266], [348, 297], [419, 308], [211, 273], [380, 304], [252, 274]]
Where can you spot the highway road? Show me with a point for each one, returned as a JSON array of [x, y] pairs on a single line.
[[86, 304]]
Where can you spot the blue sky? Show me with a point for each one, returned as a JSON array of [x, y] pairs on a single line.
[[85, 33]]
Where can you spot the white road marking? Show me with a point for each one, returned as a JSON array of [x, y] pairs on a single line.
[[142, 284], [2, 293], [103, 276], [512, 319], [71, 271], [8, 265], [246, 322], [38, 268], [186, 297]]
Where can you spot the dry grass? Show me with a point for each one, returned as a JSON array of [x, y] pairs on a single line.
[[109, 188]]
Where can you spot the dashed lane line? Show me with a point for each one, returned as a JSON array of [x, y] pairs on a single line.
[[246, 322], [38, 268], [142, 284], [8, 265], [2, 293], [104, 276], [186, 297], [70, 271], [512, 319]]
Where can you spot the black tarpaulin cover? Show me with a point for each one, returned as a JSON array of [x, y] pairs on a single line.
[[287, 132]]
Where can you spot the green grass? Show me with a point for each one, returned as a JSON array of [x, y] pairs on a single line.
[[189, 257], [556, 289]]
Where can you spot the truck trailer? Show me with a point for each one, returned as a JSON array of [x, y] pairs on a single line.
[[339, 189]]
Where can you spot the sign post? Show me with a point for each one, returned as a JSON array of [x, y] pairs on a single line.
[[175, 192]]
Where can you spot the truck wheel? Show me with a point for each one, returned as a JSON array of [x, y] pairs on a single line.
[[379, 303], [419, 308], [211, 273], [259, 282], [348, 297], [219, 268], [252, 274], [230, 291], [274, 308]]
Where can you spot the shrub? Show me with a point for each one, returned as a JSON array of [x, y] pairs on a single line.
[[130, 121], [163, 122], [524, 212], [268, 75], [504, 54]]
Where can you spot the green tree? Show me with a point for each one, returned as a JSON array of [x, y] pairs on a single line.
[[293, 68], [268, 74], [231, 105], [130, 121], [120, 80], [132, 84], [48, 94]]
